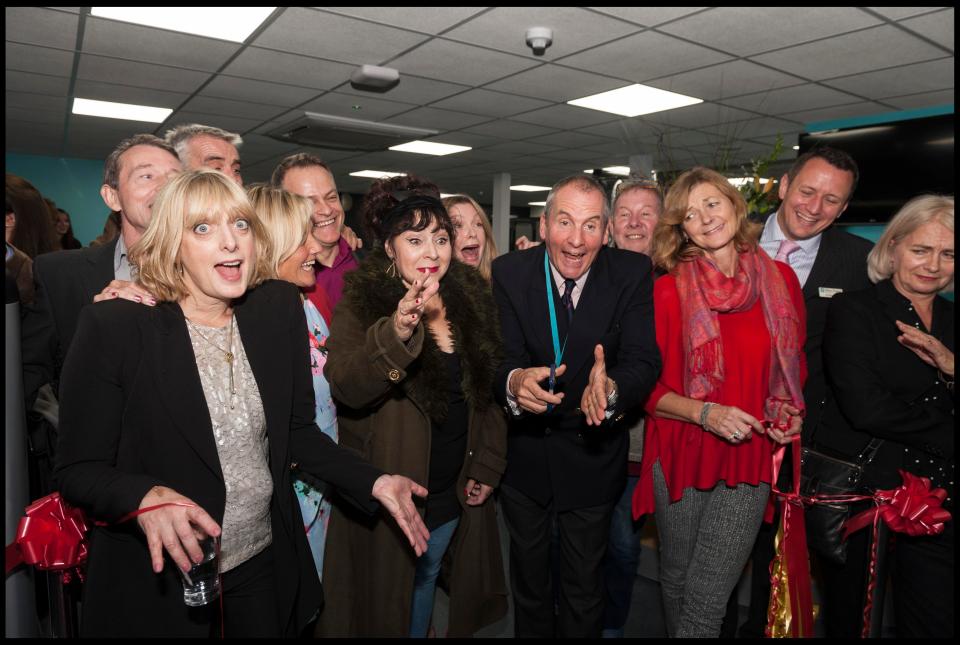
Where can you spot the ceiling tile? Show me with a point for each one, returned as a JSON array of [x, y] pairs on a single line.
[[645, 56], [126, 94], [490, 103], [246, 110], [938, 27], [647, 16], [117, 70], [229, 123], [866, 50], [697, 116], [370, 109], [432, 22], [434, 119], [466, 138], [133, 42], [36, 26], [773, 28], [791, 99], [753, 128], [896, 81], [325, 35], [899, 13], [51, 117], [865, 108], [725, 80], [30, 101], [242, 89], [412, 89], [565, 117], [556, 83], [451, 61], [522, 148], [42, 60], [22, 136], [37, 83], [509, 129], [923, 100], [574, 29], [292, 69], [570, 140], [631, 129]]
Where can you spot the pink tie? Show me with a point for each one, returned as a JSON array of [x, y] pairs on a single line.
[[786, 248]]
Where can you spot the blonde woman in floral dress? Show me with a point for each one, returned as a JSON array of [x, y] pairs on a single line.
[[292, 256]]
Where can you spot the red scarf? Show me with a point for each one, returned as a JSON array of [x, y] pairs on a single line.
[[705, 291]]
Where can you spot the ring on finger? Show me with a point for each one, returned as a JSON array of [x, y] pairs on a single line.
[[736, 435]]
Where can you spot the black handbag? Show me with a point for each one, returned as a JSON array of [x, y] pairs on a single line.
[[825, 475]]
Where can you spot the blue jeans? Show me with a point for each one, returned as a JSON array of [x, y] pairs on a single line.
[[620, 563], [425, 578]]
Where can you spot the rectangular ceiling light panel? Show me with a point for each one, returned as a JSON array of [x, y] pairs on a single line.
[[430, 148], [126, 111], [226, 23], [377, 174], [529, 189], [634, 100]]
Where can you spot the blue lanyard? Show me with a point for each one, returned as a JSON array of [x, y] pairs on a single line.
[[557, 350]]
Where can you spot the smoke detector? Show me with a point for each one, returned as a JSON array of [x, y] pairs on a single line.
[[538, 39], [371, 78]]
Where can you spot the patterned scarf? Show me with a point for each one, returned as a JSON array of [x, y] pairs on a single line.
[[705, 291]]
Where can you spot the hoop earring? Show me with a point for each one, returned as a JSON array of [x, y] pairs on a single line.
[[392, 269]]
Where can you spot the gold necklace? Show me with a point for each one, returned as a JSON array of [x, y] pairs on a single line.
[[227, 355]]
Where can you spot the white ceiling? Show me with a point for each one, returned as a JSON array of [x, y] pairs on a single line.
[[467, 72]]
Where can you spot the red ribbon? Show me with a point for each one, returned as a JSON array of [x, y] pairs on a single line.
[[913, 508], [50, 537]]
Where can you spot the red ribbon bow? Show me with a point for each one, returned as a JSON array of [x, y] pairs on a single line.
[[51, 537], [913, 508]]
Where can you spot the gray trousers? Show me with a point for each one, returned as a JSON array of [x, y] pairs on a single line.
[[705, 540]]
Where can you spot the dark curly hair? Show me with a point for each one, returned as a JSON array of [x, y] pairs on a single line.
[[383, 223]]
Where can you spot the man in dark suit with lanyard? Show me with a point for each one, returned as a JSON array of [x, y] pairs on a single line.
[[580, 349], [814, 193]]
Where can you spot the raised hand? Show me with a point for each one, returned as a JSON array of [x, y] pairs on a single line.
[[525, 387], [410, 308], [593, 404], [174, 528], [352, 239], [930, 350], [523, 242], [396, 492], [126, 290]]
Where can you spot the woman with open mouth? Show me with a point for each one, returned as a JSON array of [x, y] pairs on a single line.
[[473, 238], [187, 420], [413, 347]]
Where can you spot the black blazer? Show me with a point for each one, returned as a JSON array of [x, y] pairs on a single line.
[[881, 389], [557, 455], [841, 263], [64, 282], [133, 415]]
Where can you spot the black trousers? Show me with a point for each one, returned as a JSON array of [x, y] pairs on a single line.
[[249, 600], [583, 534], [923, 585]]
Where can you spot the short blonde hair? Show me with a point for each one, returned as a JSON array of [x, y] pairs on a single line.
[[188, 199], [286, 219], [489, 246], [914, 214], [670, 244]]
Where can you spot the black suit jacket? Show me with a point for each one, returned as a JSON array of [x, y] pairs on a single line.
[[65, 282], [841, 263], [133, 415], [557, 455], [882, 389]]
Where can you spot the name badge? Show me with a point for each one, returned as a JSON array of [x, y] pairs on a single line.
[[829, 292]]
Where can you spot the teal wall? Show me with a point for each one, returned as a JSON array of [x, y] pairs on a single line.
[[74, 184]]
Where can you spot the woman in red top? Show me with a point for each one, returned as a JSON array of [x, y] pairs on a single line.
[[730, 327]]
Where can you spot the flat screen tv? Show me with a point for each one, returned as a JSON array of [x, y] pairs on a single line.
[[897, 161]]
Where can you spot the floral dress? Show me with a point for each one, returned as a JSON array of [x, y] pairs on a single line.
[[314, 505]]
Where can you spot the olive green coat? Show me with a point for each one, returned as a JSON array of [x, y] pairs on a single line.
[[386, 393]]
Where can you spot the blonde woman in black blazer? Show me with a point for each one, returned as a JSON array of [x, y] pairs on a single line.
[[888, 354], [137, 430]]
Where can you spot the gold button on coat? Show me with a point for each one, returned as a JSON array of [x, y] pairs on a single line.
[[393, 375]]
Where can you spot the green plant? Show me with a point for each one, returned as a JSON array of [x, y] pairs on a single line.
[[760, 196]]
